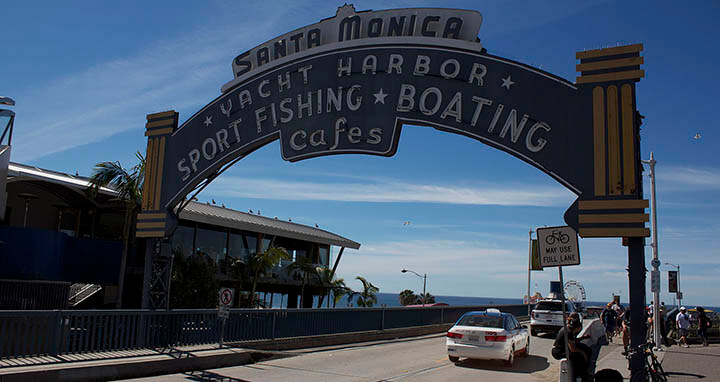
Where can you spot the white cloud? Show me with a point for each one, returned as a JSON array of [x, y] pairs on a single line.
[[386, 191], [689, 177]]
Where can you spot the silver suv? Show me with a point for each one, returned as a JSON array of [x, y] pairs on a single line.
[[547, 316]]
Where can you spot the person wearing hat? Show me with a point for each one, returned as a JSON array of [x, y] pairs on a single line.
[[580, 354], [682, 321]]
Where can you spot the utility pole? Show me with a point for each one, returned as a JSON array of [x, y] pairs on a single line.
[[655, 275]]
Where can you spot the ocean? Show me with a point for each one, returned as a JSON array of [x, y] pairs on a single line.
[[392, 299]]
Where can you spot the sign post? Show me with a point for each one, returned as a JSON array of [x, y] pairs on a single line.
[[225, 299], [558, 246]]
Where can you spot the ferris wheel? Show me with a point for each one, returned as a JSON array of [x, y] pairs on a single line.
[[574, 291]]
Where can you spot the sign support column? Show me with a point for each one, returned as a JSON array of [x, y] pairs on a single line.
[[636, 276]]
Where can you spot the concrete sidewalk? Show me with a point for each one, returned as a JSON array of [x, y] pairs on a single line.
[[152, 362], [611, 357], [134, 366]]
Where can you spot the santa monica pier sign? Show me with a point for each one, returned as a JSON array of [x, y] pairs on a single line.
[[348, 84]]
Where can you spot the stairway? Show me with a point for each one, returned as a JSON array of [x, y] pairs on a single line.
[[81, 292]]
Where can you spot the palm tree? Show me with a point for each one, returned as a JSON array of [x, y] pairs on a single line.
[[368, 297], [429, 299], [339, 289], [129, 185], [326, 275], [261, 263], [305, 267], [408, 297]]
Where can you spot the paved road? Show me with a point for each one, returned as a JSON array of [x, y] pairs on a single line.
[[692, 364], [418, 359]]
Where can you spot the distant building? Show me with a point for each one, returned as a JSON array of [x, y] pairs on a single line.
[[60, 246]]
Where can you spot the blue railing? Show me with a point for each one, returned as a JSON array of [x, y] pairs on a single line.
[[62, 332]]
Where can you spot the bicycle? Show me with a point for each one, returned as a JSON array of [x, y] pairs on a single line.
[[653, 371], [557, 235]]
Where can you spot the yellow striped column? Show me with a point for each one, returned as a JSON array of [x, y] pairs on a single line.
[[616, 207], [612, 73], [151, 221]]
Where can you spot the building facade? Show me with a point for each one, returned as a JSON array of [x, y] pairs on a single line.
[[57, 236]]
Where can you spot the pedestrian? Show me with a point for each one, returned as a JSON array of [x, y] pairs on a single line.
[[609, 320], [580, 354], [703, 325], [625, 330], [661, 322], [682, 322]]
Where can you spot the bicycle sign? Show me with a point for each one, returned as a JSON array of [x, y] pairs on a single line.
[[558, 246]]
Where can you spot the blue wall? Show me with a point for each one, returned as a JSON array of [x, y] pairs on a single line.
[[37, 254]]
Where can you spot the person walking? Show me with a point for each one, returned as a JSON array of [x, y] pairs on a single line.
[[661, 322], [682, 322], [703, 325], [609, 320]]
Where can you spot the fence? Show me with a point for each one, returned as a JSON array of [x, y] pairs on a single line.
[[58, 332], [25, 294]]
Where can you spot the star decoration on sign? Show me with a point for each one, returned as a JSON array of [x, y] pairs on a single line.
[[380, 97], [208, 121], [507, 82]]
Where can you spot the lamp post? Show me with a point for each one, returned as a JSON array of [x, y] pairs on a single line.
[[655, 261], [424, 277], [679, 291]]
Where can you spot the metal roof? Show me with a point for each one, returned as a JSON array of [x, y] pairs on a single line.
[[226, 217], [25, 172], [198, 212]]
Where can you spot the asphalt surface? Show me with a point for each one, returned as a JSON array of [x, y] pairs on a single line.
[[419, 359], [695, 363]]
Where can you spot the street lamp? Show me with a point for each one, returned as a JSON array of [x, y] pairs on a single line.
[[679, 291], [424, 277], [655, 275]]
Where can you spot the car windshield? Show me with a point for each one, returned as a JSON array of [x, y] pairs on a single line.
[[481, 321], [549, 305]]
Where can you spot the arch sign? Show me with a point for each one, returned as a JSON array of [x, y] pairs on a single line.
[[350, 83]]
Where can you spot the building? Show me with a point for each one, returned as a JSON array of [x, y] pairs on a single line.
[[61, 245]]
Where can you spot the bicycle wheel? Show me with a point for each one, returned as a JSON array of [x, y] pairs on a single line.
[[640, 375], [656, 371], [550, 240], [564, 238]]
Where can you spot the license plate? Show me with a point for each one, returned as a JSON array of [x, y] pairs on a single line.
[[473, 338]]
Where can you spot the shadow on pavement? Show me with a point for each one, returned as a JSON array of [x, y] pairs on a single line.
[[679, 374], [526, 365], [207, 376]]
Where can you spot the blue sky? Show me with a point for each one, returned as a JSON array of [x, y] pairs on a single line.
[[85, 74]]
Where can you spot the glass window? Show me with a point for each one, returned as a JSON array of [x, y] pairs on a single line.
[[182, 240], [243, 244], [481, 321], [210, 244], [549, 305], [324, 256]]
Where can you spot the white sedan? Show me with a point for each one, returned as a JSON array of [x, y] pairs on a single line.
[[488, 334]]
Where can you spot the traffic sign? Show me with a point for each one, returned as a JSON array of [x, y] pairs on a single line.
[[226, 296], [655, 263], [655, 281], [224, 312], [558, 246]]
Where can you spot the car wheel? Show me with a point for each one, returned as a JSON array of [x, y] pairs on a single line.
[[526, 351], [511, 358], [533, 332], [453, 359]]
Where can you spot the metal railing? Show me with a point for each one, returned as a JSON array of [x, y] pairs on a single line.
[[62, 332]]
